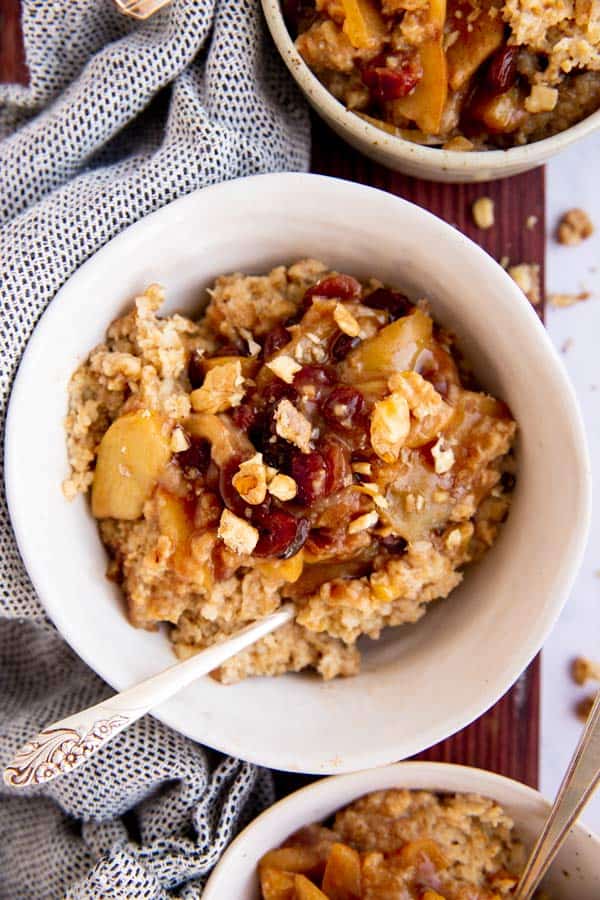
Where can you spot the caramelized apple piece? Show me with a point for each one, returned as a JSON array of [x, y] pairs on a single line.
[[341, 880], [411, 852], [500, 114], [288, 570], [175, 522], [363, 25], [393, 349], [306, 890], [425, 106], [473, 46], [277, 885], [300, 860], [132, 454], [226, 440], [249, 364]]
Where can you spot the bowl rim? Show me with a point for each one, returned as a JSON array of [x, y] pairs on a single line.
[[527, 155], [523, 312], [358, 784]]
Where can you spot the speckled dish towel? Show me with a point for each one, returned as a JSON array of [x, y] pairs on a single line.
[[119, 118]]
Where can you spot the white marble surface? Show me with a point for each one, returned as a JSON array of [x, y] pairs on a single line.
[[574, 180]]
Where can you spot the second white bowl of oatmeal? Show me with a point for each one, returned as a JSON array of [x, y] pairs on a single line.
[[405, 156], [419, 683], [574, 873]]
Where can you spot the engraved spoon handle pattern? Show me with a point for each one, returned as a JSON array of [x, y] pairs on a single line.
[[63, 746]]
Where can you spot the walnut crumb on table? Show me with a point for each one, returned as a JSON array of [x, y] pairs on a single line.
[[483, 212], [582, 671], [527, 277], [574, 227], [562, 301]]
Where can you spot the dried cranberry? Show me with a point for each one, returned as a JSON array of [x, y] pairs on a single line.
[[345, 408], [309, 471], [341, 345], [229, 350], [243, 417], [276, 390], [274, 340], [502, 70], [281, 534], [393, 302], [195, 460], [337, 465], [391, 77], [394, 543], [508, 481], [338, 287], [195, 369], [314, 380], [298, 14]]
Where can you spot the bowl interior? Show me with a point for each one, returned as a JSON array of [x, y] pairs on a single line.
[[421, 683], [575, 872]]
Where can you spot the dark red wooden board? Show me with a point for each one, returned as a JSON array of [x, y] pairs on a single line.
[[505, 739]]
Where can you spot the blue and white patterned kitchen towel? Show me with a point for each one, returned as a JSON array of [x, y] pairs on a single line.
[[119, 118]]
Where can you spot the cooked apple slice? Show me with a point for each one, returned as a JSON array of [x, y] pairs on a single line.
[[501, 114], [363, 25], [277, 885], [132, 454], [306, 890], [425, 105], [341, 880], [477, 40], [393, 349]]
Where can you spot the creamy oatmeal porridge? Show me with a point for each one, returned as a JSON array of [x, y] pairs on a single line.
[[308, 437], [464, 74], [409, 845]]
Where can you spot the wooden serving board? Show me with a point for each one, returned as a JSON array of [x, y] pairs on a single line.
[[505, 739]]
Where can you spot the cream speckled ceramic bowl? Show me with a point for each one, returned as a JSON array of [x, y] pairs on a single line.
[[575, 872], [404, 156]]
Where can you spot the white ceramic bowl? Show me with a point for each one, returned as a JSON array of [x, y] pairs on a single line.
[[419, 683], [405, 156], [575, 872]]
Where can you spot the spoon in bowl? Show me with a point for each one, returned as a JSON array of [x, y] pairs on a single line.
[[578, 785], [65, 745]]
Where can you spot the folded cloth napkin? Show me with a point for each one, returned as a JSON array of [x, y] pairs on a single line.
[[118, 119]]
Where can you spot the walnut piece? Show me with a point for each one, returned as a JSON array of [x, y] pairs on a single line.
[[390, 425], [284, 367], [345, 320], [443, 457], [222, 389], [583, 669], [574, 227], [250, 480], [237, 534], [283, 487], [541, 99], [527, 277], [561, 301], [292, 426], [363, 522], [483, 212]]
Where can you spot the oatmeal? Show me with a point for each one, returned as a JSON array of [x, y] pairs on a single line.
[[413, 845], [308, 438], [462, 74]]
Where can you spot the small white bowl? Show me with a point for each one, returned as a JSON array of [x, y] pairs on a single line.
[[575, 872], [419, 683], [405, 156]]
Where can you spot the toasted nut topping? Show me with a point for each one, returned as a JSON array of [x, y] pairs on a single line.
[[584, 708], [390, 425], [223, 388], [284, 367], [363, 522], [179, 440], [250, 480], [541, 99], [583, 669], [345, 320], [527, 277], [483, 212], [440, 496], [454, 539], [443, 457], [574, 227], [292, 425], [283, 487], [422, 398], [362, 468], [531, 222], [459, 144], [254, 348], [372, 490], [237, 534], [561, 301]]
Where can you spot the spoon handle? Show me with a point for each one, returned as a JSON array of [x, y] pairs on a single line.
[[65, 745], [578, 785]]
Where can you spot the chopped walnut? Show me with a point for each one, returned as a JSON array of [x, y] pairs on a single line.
[[583, 669], [531, 222], [362, 468], [250, 480], [541, 99], [390, 425], [443, 457], [292, 426], [584, 708], [283, 487], [363, 522], [372, 490], [527, 277], [284, 367], [562, 301], [223, 389], [237, 534], [574, 227], [179, 440], [345, 320], [483, 212]]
